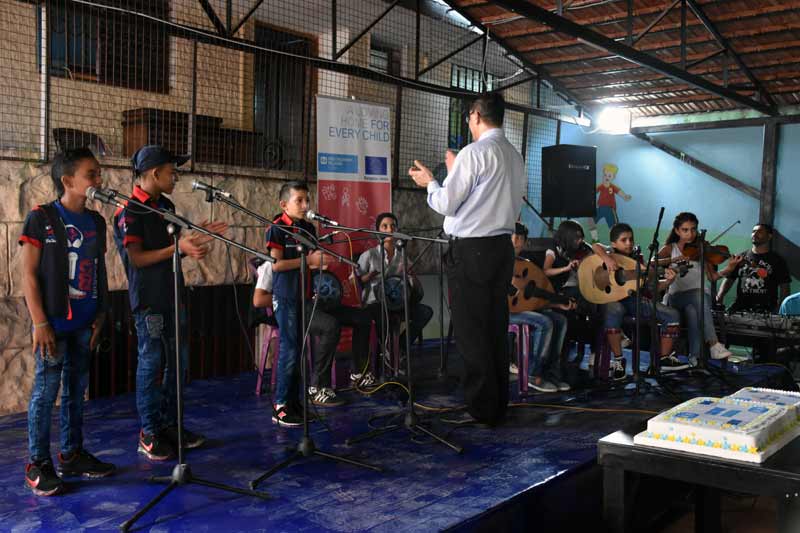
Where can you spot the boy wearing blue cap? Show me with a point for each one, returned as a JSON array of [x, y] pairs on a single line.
[[146, 249]]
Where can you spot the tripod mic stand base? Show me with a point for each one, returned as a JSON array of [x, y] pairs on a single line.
[[307, 448], [182, 475], [410, 422]]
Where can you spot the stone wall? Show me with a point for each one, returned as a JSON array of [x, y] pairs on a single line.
[[25, 185]]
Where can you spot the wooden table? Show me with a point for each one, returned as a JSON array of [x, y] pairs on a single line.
[[778, 477]]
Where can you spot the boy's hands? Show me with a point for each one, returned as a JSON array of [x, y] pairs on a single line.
[[194, 244], [44, 339], [97, 328]]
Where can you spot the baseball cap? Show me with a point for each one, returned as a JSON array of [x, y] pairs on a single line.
[[153, 155]]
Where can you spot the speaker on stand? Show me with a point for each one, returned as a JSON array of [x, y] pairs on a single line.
[[568, 181]]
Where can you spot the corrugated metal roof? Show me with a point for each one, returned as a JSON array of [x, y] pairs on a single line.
[[765, 34]]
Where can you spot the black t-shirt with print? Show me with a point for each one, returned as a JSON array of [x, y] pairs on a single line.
[[760, 276]]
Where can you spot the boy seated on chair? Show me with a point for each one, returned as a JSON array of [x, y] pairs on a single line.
[[369, 265], [622, 243], [549, 329]]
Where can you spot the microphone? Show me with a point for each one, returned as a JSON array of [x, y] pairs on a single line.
[[200, 186], [311, 215], [329, 237], [106, 196]]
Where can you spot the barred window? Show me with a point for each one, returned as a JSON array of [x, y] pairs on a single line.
[[113, 48], [468, 79]]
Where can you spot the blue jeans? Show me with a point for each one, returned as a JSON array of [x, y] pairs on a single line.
[[156, 401], [546, 341], [615, 312], [287, 315], [607, 213], [69, 368], [688, 302]]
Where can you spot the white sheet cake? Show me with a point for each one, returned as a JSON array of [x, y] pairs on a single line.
[[774, 396], [728, 428]]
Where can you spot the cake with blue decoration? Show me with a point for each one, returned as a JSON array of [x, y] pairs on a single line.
[[727, 428], [774, 396]]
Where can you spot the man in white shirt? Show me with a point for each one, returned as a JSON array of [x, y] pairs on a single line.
[[480, 199]]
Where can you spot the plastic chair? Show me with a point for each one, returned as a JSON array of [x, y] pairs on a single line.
[[522, 350]]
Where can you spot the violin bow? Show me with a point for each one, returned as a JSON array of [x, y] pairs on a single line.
[[718, 237]]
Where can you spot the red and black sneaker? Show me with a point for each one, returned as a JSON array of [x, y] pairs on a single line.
[[82, 463], [190, 439], [42, 479], [155, 448], [286, 417]]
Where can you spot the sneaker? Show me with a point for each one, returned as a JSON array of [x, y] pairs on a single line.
[[324, 397], [718, 351], [362, 381], [542, 386], [286, 418], [82, 463], [563, 386], [512, 369], [671, 363], [42, 479], [626, 342], [617, 368], [462, 418], [191, 440], [154, 447]]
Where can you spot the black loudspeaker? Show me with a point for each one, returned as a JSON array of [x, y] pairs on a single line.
[[568, 180]]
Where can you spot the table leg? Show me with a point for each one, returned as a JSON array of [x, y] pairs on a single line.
[[789, 513], [707, 510], [616, 503]]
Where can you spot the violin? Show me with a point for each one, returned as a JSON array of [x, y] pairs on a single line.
[[715, 254], [582, 252]]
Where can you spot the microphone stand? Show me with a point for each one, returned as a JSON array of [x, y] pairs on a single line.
[[182, 472], [654, 368], [306, 446], [411, 420]]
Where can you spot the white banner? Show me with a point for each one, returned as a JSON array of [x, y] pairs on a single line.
[[354, 141]]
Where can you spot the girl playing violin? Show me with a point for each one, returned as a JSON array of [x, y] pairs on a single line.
[[561, 264], [684, 293]]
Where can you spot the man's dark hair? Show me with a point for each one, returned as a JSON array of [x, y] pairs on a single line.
[[618, 229], [65, 163], [381, 216], [767, 227], [289, 186], [521, 229], [492, 108]]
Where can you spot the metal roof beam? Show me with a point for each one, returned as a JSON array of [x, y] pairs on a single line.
[[723, 42], [542, 72], [562, 25]]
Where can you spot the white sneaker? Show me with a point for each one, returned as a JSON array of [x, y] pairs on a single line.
[[512, 369], [718, 351]]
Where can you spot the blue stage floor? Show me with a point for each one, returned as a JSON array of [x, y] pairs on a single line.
[[426, 487]]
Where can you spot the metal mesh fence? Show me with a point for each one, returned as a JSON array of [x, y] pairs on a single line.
[[233, 83]]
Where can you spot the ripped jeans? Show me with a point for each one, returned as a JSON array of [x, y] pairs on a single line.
[[69, 368], [155, 400]]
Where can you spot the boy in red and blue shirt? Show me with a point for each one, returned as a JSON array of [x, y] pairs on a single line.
[[66, 291], [146, 250]]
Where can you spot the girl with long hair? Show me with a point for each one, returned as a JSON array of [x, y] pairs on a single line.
[[684, 293]]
